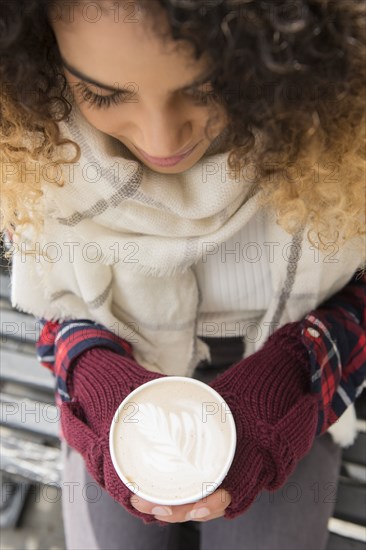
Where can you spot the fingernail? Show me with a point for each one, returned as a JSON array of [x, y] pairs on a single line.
[[161, 511], [198, 513]]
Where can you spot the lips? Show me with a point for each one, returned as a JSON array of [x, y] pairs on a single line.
[[168, 161]]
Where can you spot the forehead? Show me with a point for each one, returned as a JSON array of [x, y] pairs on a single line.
[[118, 47]]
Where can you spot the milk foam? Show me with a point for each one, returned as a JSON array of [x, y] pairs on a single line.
[[173, 440]]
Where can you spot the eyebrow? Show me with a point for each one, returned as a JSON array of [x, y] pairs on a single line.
[[90, 80]]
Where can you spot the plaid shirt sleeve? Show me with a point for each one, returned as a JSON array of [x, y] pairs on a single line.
[[60, 344], [335, 337]]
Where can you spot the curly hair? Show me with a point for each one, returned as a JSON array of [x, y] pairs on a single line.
[[293, 69]]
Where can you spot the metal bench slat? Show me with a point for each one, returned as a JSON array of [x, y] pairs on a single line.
[[28, 415], [26, 370], [339, 542], [351, 501], [360, 405], [30, 460], [18, 325], [356, 472], [19, 347], [357, 452], [341, 529], [5, 289]]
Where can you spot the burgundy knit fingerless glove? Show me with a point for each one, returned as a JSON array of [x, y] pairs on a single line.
[[275, 416], [97, 383]]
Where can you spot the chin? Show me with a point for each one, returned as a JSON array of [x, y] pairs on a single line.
[[169, 169]]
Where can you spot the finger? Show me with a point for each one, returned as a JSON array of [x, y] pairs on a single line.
[[211, 505], [210, 517], [207, 508], [179, 514], [171, 514], [146, 506]]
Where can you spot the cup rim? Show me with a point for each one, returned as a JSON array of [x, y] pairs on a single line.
[[225, 468]]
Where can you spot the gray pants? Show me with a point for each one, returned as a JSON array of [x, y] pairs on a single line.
[[295, 517]]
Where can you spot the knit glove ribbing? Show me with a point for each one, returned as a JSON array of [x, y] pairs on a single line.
[[274, 413], [98, 383]]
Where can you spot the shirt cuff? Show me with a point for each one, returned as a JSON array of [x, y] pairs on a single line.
[[60, 344], [337, 354]]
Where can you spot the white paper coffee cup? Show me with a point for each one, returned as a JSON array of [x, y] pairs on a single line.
[[172, 440]]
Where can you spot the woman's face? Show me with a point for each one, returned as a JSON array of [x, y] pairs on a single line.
[[155, 116]]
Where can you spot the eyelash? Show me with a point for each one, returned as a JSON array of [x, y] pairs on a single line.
[[199, 96], [116, 98], [100, 101]]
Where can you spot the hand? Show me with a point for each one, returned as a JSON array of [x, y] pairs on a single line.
[[99, 382], [274, 413], [213, 506]]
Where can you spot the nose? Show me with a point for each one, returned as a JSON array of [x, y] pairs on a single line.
[[164, 133]]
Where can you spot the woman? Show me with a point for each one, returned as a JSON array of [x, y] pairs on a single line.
[[166, 138]]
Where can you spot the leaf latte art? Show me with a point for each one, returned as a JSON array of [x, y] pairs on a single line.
[[176, 440]]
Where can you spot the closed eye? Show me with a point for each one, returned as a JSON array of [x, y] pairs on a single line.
[[101, 101], [122, 96], [201, 96]]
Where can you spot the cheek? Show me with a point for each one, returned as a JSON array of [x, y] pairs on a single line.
[[106, 120]]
